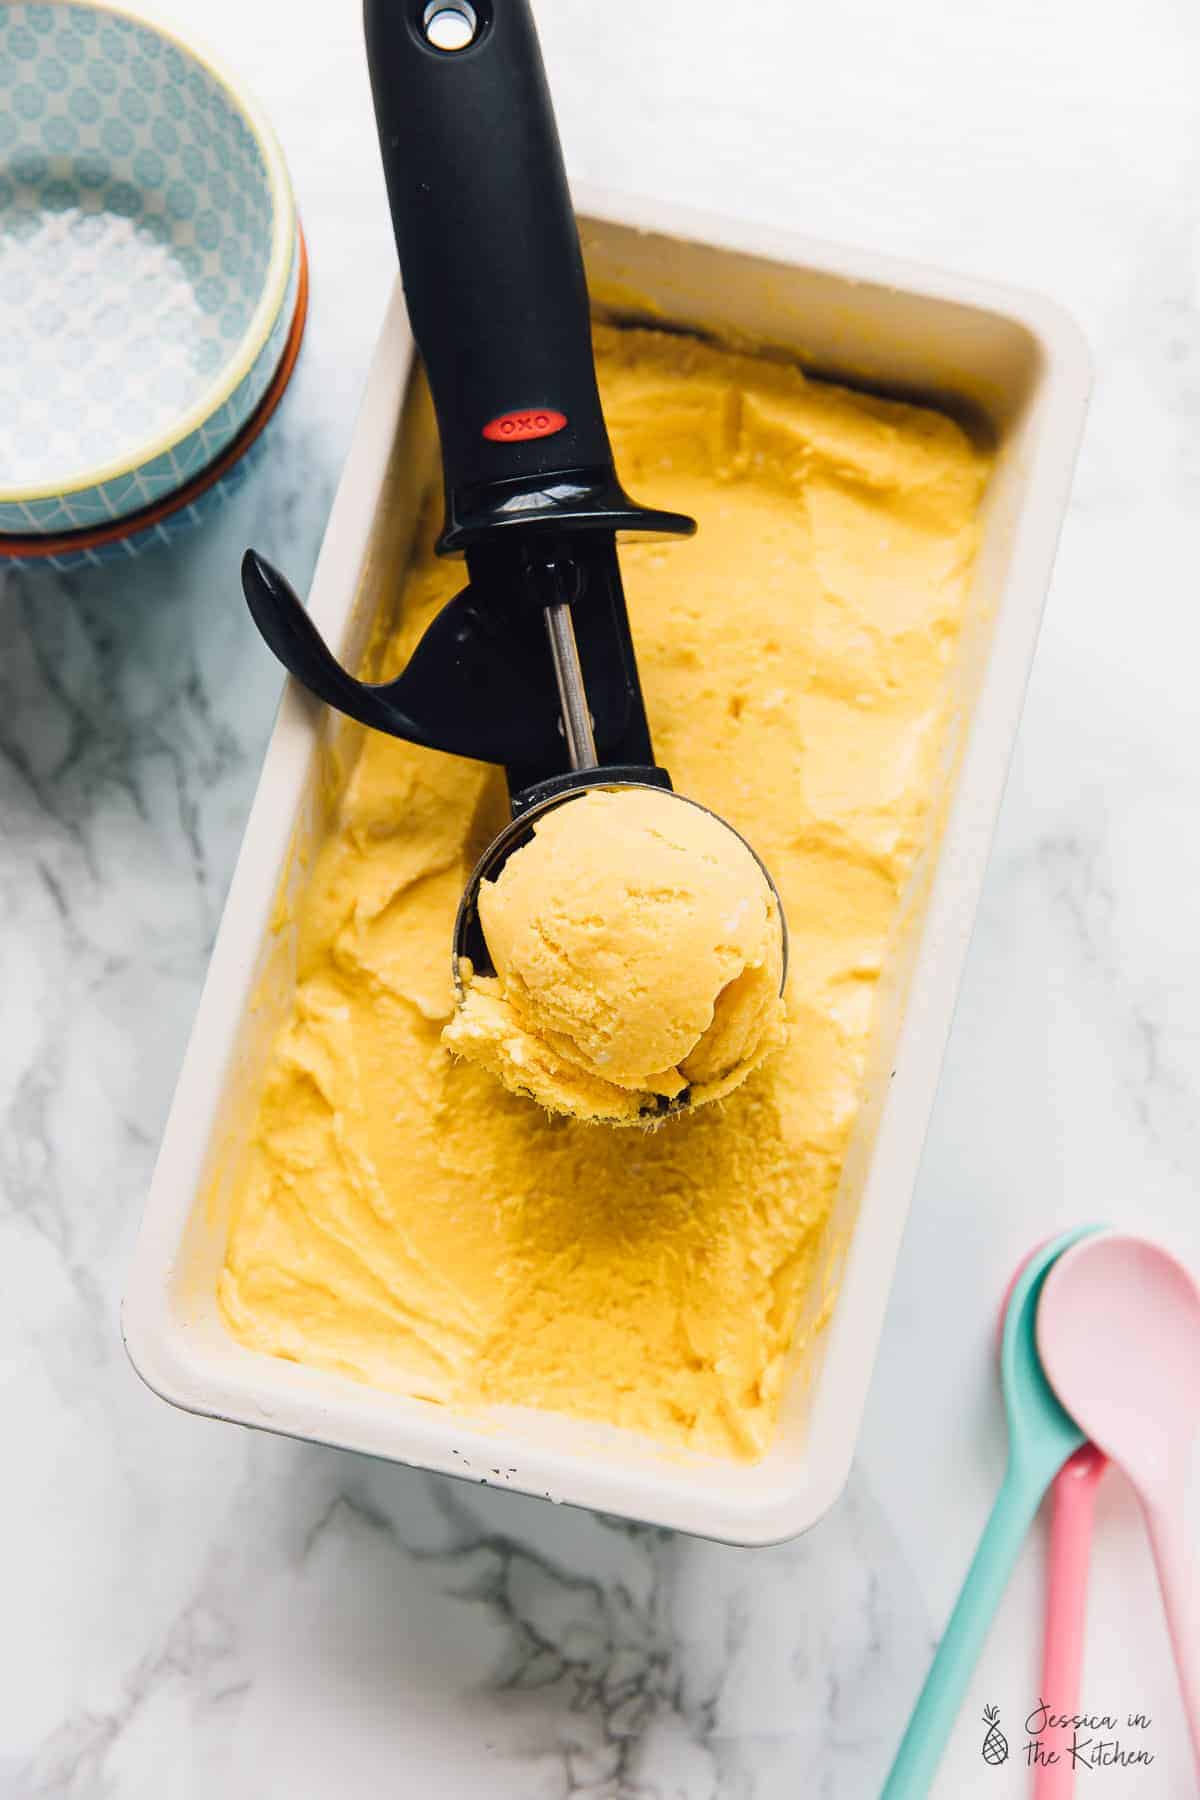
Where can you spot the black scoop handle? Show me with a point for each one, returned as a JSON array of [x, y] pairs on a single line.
[[489, 250]]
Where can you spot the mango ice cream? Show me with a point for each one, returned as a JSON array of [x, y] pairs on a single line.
[[638, 951], [397, 1215]]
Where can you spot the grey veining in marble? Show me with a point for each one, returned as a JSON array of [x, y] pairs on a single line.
[[192, 1610]]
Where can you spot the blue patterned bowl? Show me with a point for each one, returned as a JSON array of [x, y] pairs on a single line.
[[148, 263], [173, 517]]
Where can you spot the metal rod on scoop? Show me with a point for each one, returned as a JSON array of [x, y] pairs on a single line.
[[576, 718]]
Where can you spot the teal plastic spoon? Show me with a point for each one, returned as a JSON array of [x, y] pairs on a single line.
[[1041, 1436]]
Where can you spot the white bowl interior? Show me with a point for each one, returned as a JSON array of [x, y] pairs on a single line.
[[136, 234], [1020, 375]]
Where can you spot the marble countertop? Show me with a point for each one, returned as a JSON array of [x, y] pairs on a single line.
[[192, 1609]]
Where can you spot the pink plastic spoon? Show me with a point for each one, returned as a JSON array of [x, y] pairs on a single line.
[[1068, 1560], [1118, 1333], [1073, 1512]]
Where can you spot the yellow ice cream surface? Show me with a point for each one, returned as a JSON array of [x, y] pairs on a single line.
[[400, 1217], [638, 954]]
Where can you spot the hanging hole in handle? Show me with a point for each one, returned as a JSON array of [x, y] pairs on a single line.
[[450, 24]]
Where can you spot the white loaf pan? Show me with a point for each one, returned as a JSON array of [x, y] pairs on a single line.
[[1007, 358]]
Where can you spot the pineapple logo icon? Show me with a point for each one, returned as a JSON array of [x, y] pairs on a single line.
[[995, 1744]]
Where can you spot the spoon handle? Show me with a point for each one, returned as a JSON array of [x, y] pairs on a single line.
[[949, 1677], [1166, 1519], [1071, 1522]]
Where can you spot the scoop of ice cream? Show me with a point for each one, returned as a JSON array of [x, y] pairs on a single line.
[[638, 951]]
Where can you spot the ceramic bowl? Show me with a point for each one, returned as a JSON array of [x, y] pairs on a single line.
[[148, 264], [169, 519]]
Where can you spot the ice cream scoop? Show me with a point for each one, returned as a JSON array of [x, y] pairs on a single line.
[[532, 665], [636, 955]]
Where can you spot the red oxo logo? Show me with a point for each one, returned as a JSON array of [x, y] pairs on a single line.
[[543, 421]]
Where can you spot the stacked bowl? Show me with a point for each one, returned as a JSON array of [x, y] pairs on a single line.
[[153, 282]]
